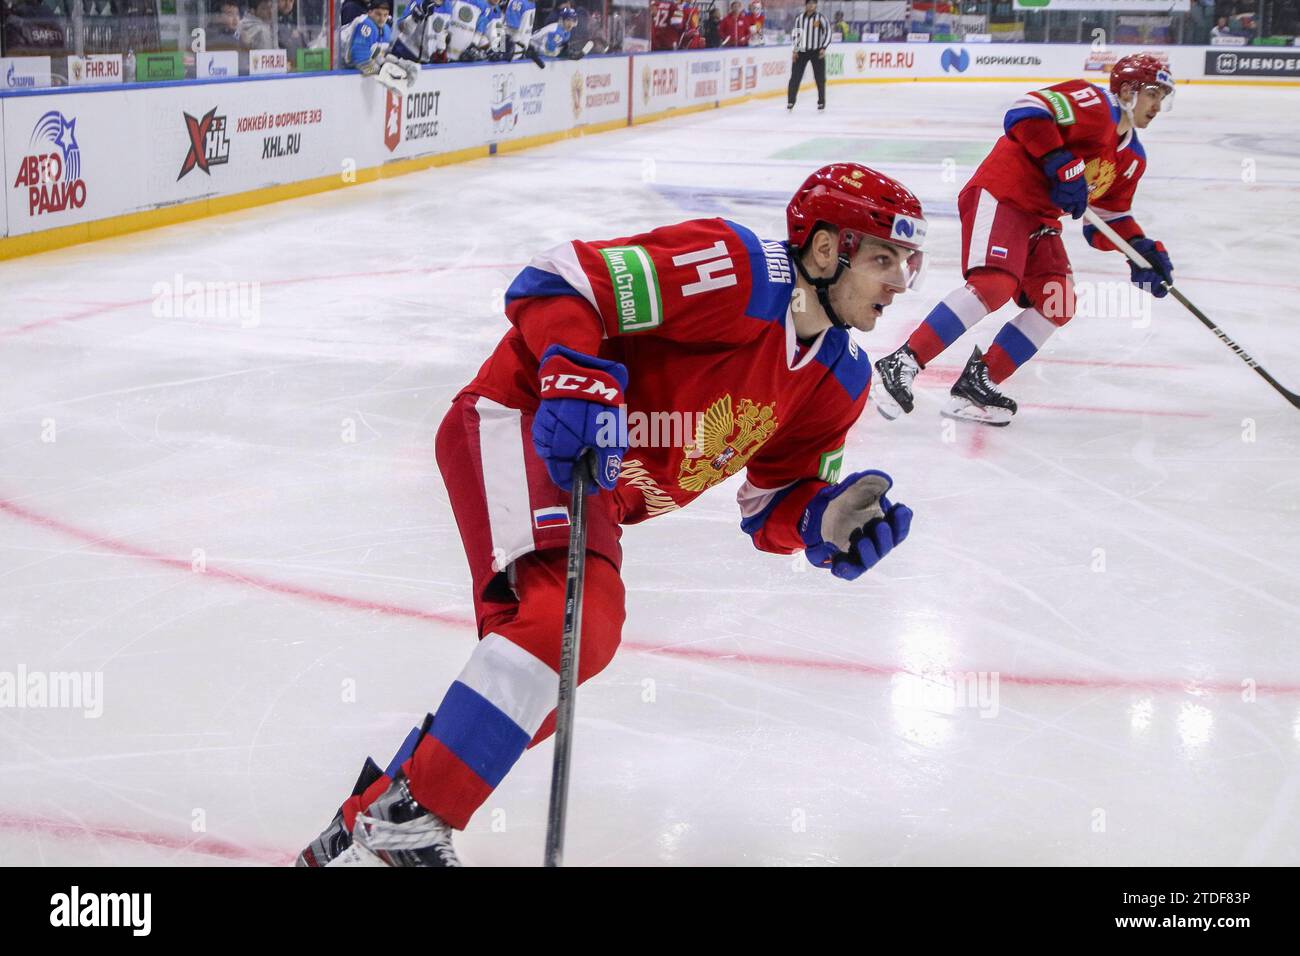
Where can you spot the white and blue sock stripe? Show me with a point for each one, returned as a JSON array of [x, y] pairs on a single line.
[[958, 311], [495, 706], [1023, 336]]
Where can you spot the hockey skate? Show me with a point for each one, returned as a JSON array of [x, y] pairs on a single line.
[[976, 399], [894, 374], [335, 838], [396, 831]]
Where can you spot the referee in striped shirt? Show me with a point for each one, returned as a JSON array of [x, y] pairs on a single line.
[[811, 34]]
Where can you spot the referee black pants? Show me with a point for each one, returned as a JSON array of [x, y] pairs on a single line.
[[801, 60]]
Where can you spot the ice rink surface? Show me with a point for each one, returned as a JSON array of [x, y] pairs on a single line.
[[1088, 652]]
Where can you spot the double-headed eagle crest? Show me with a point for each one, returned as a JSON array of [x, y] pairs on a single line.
[[1100, 174], [725, 439]]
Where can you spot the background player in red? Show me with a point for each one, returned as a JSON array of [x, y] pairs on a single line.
[[666, 24], [734, 28], [757, 19], [692, 37], [1065, 147], [701, 322]]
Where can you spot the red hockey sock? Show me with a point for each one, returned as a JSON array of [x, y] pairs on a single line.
[[504, 699]]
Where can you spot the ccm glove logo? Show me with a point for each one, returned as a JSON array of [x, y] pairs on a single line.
[[577, 390], [564, 378]]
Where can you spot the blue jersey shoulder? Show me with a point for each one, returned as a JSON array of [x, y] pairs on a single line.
[[1136, 146], [771, 275], [846, 361]]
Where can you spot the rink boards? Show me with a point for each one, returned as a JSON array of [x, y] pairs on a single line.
[[89, 163]]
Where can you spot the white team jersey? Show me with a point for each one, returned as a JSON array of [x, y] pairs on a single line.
[[550, 39], [522, 34], [463, 30], [425, 36]]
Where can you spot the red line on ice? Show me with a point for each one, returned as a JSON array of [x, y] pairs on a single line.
[[210, 846], [205, 845], [235, 577], [296, 280], [1025, 680], [1099, 363], [457, 620], [1099, 410]]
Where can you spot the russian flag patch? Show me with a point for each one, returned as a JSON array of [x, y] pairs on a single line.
[[997, 252], [556, 517]]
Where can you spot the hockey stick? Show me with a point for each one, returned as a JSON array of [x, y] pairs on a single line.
[[1104, 228], [570, 644]]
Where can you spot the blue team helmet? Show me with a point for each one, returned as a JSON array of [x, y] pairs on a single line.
[[568, 13]]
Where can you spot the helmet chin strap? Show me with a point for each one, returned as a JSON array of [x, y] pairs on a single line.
[[822, 285], [1128, 106]]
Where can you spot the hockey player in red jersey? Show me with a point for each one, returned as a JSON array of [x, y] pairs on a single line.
[[734, 28], [667, 23], [1065, 148], [757, 19], [701, 322]]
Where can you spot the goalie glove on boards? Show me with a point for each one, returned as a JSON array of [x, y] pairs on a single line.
[[850, 526], [580, 409]]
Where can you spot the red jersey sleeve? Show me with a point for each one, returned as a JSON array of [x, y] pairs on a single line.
[[800, 461]]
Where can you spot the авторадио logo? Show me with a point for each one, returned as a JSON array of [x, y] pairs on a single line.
[[51, 170]]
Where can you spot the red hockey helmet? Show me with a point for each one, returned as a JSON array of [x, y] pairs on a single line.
[[1142, 70], [859, 202]]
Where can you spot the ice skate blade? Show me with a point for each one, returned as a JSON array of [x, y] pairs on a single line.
[[966, 411], [886, 404], [888, 414], [356, 855]]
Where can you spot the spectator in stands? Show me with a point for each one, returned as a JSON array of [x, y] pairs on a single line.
[[1242, 20], [617, 30], [255, 28], [712, 27], [32, 28], [734, 27], [1221, 29], [840, 25], [223, 34], [595, 32], [292, 37], [350, 10]]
